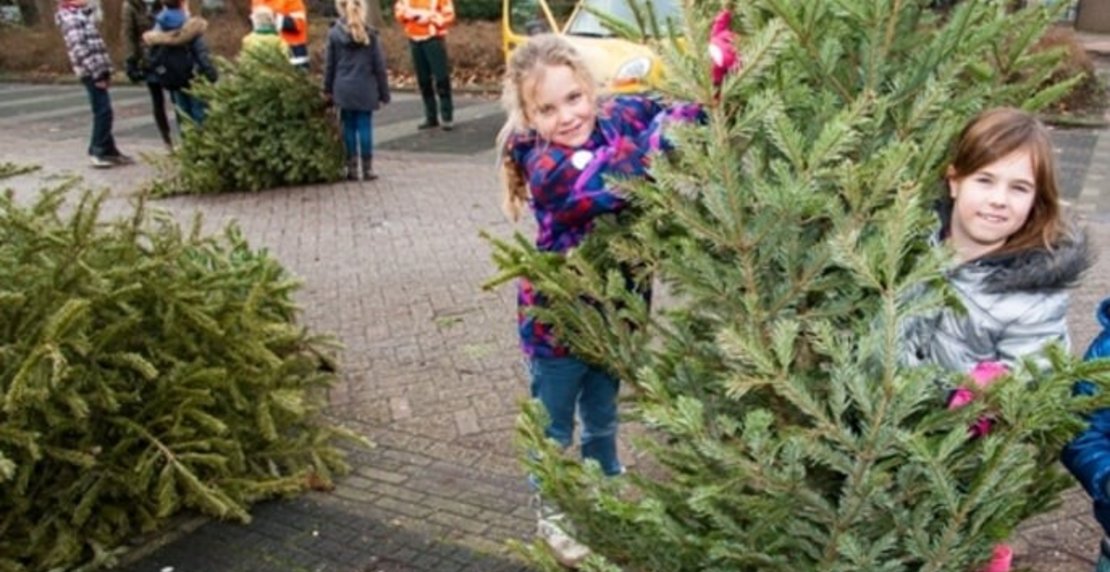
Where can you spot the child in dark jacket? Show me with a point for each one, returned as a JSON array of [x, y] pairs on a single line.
[[138, 17], [1088, 456], [355, 80], [177, 51]]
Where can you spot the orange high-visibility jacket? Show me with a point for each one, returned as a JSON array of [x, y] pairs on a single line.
[[425, 19], [291, 20]]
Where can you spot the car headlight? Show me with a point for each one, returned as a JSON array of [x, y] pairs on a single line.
[[634, 69]]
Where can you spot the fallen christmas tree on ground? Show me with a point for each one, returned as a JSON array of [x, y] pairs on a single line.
[[145, 370]]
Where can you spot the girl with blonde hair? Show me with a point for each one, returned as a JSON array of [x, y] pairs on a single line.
[[559, 146], [355, 80]]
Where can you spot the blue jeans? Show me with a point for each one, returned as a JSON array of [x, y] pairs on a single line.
[[101, 144], [187, 104], [358, 134], [565, 384]]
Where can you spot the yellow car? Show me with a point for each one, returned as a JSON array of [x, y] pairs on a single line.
[[619, 65]]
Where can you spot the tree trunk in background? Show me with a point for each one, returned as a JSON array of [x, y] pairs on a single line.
[[374, 14], [112, 13], [30, 12]]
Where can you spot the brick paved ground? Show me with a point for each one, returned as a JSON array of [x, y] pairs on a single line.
[[431, 369]]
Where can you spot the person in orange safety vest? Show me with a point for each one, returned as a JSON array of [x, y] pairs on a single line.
[[291, 20], [426, 23]]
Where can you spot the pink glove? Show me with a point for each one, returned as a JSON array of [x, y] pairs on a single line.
[[1001, 559], [982, 375], [722, 50]]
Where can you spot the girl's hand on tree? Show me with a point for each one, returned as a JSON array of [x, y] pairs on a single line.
[[982, 375]]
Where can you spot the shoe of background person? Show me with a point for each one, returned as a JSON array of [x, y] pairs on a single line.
[[100, 162], [427, 125], [568, 551], [553, 528], [352, 169], [448, 125], [120, 160]]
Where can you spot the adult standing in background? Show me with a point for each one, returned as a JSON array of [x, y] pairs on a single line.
[[426, 23], [291, 20], [138, 17]]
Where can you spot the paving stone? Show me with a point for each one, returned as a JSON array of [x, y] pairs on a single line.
[[380, 475]]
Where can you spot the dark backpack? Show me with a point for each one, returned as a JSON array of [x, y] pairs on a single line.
[[173, 65]]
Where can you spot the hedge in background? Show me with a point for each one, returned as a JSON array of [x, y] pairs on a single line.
[[267, 126], [144, 371]]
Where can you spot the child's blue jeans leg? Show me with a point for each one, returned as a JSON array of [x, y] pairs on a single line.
[[565, 384], [191, 107], [356, 132]]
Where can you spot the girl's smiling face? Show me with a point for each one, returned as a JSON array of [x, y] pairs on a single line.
[[991, 204], [561, 108]]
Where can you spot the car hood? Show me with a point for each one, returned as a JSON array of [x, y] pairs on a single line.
[[604, 56]]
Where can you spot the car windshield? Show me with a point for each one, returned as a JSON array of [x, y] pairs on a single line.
[[585, 23]]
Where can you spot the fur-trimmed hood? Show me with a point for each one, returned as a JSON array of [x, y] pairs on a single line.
[[1055, 268], [194, 28], [1041, 269]]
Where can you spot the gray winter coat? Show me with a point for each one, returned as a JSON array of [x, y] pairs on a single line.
[[354, 74], [1015, 305]]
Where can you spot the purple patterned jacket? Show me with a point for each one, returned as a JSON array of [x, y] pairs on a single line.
[[568, 191]]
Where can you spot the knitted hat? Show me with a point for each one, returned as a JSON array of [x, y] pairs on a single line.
[[170, 19], [262, 18]]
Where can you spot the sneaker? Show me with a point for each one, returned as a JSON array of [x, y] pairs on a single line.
[[448, 125], [100, 162], [568, 551], [120, 159], [427, 125]]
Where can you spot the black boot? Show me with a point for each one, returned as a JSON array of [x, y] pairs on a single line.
[[352, 168], [368, 168]]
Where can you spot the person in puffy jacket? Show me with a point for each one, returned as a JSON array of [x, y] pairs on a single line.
[[355, 80], [1088, 455], [1015, 256], [177, 51]]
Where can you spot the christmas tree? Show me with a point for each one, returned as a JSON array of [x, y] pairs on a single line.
[[265, 126], [146, 369], [780, 431]]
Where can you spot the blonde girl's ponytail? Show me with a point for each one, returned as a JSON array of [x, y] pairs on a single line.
[[514, 187], [355, 14], [515, 190]]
